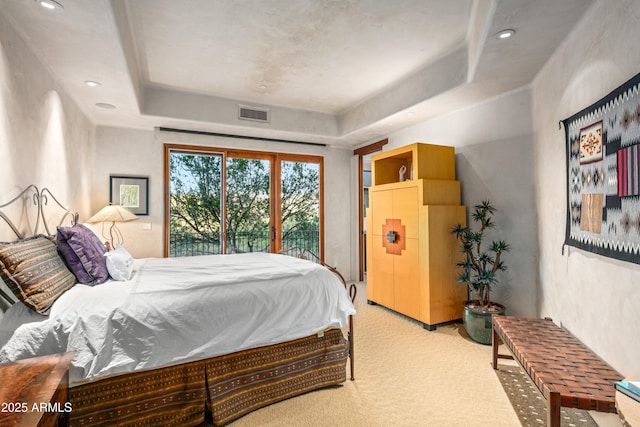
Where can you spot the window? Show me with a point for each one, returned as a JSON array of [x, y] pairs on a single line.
[[231, 201]]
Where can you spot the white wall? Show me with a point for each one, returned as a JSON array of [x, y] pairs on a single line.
[[596, 298], [44, 139], [133, 152], [509, 149], [494, 160], [139, 152]]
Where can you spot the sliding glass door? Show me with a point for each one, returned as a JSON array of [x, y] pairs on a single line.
[[300, 206], [224, 201], [195, 204], [248, 205]]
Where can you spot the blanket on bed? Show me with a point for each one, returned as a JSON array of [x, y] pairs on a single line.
[[175, 310]]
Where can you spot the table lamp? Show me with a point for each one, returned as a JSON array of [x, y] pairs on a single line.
[[112, 214]]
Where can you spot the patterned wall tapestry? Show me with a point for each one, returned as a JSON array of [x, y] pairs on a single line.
[[603, 175]]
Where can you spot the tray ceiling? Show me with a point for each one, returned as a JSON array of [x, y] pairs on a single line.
[[339, 72]]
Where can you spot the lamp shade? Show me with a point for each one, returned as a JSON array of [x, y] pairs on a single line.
[[112, 213]]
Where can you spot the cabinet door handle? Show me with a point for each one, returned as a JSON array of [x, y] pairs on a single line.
[[392, 236]]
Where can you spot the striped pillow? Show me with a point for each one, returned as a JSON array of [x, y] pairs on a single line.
[[35, 272]]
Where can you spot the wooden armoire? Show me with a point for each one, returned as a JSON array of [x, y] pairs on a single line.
[[414, 202]]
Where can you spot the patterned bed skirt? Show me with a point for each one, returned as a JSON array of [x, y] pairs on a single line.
[[230, 385]]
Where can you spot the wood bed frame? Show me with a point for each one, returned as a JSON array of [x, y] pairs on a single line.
[[229, 386]]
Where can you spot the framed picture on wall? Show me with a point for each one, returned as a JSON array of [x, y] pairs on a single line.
[[131, 192]]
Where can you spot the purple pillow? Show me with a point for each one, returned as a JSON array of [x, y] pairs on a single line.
[[84, 253]]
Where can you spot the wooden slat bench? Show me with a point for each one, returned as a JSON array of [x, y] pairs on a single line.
[[566, 372]]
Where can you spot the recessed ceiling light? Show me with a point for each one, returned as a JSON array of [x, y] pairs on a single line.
[[92, 83], [505, 34], [50, 5], [105, 105]]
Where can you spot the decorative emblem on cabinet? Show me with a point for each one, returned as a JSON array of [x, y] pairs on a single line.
[[393, 236]]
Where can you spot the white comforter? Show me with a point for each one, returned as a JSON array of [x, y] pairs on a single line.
[[175, 310]]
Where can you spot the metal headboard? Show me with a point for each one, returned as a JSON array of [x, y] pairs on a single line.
[[40, 199], [43, 200], [35, 196]]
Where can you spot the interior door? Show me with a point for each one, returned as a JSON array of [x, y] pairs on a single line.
[[364, 182]]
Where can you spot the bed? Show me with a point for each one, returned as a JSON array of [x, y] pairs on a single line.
[[175, 337]]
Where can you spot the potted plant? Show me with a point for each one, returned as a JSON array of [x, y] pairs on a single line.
[[479, 272]]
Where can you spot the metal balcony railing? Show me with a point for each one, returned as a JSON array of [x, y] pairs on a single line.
[[191, 244]]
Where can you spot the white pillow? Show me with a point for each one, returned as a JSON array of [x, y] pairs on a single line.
[[119, 263]]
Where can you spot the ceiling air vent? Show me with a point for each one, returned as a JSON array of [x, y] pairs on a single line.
[[255, 114]]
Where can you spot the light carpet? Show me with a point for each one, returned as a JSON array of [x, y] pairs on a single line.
[[530, 405], [405, 376]]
